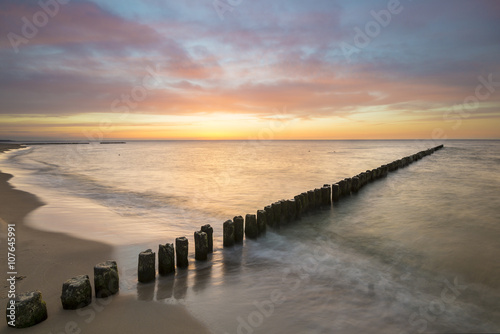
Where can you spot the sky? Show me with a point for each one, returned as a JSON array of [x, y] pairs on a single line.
[[249, 69]]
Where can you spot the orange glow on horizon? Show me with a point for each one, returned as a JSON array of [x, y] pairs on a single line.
[[239, 127]]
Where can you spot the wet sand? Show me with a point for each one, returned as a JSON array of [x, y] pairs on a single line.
[[44, 260]]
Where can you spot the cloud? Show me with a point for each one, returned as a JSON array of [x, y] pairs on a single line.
[[261, 57]]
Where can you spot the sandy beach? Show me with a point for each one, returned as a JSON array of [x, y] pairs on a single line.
[[45, 260]]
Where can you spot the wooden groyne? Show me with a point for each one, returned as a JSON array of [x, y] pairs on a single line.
[[28, 309], [283, 212]]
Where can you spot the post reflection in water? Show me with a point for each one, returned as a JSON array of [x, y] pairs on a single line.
[[165, 287], [181, 283], [146, 291], [231, 264], [202, 275]]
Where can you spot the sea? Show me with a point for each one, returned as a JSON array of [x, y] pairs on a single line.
[[415, 252]]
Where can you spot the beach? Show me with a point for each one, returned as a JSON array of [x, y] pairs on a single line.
[[45, 260]]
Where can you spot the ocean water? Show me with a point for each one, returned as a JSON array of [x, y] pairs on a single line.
[[411, 253]]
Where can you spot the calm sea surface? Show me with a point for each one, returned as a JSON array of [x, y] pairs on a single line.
[[415, 252]]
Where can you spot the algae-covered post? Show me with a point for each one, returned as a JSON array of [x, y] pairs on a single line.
[[277, 214], [166, 259], [292, 207], [200, 246], [326, 195], [269, 216], [27, 309], [261, 221], [298, 206], [146, 269], [106, 279], [228, 233], [76, 293], [181, 252], [336, 191], [251, 227], [238, 229], [210, 236], [317, 198]]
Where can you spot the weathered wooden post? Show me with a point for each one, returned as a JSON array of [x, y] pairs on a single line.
[[200, 246], [26, 309], [293, 209], [317, 198], [146, 269], [238, 229], [342, 188], [181, 252], [277, 214], [368, 176], [360, 181], [166, 259], [355, 184], [310, 200], [228, 233], [326, 195], [269, 216], [76, 293], [262, 221], [348, 186], [210, 236], [305, 203], [336, 191], [298, 206], [106, 279], [284, 212], [251, 227]]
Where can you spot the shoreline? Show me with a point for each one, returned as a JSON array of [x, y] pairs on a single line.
[[44, 260]]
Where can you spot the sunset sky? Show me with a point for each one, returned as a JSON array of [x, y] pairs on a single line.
[[246, 69]]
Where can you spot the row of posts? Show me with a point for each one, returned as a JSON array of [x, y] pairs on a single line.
[[273, 216], [283, 212], [28, 309], [167, 257]]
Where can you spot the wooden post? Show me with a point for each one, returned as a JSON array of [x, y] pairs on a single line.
[[336, 191], [298, 206], [28, 309], [146, 269], [251, 227], [76, 293], [181, 251], [355, 184], [277, 214], [166, 259], [262, 221], [317, 198], [238, 229], [228, 233], [210, 236], [348, 186], [200, 246], [326, 195], [269, 216], [106, 280]]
